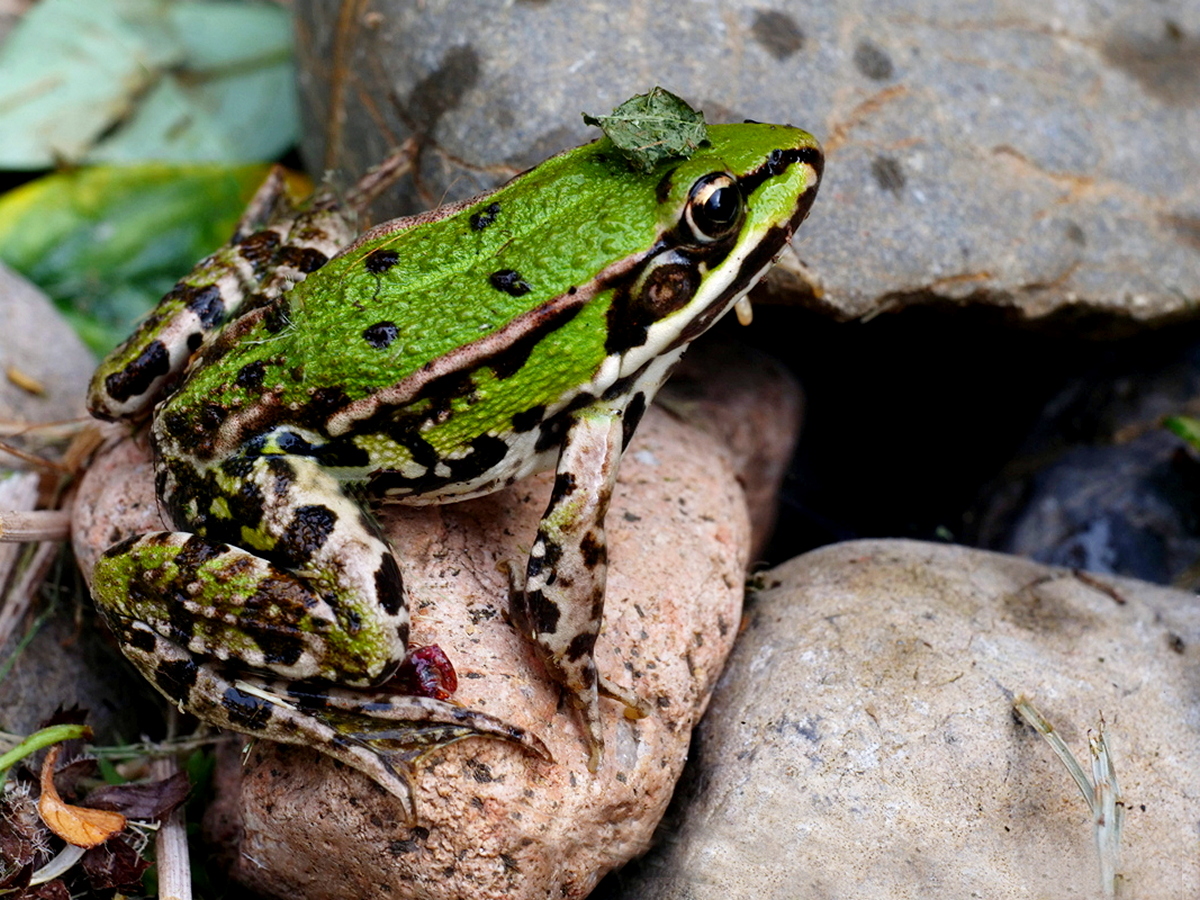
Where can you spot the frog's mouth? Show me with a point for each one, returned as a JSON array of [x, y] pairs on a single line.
[[774, 164]]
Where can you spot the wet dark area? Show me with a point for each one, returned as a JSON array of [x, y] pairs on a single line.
[[916, 422]]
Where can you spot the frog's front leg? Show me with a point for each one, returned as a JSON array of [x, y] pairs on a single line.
[[562, 605], [261, 640]]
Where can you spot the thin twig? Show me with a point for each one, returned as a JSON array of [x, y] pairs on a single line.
[[171, 846], [18, 526], [45, 432], [32, 458], [20, 596]]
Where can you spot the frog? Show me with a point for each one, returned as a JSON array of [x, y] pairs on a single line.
[[301, 374]]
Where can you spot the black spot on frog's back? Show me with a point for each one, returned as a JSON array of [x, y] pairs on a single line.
[[485, 217], [381, 334], [510, 282], [379, 261], [250, 376]]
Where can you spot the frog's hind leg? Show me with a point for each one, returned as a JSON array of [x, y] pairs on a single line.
[[381, 735], [319, 600], [299, 528]]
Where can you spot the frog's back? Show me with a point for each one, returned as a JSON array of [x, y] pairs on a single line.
[[443, 349], [454, 327]]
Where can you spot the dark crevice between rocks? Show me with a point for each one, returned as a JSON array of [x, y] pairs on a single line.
[[914, 419]]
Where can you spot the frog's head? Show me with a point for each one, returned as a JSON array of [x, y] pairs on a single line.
[[724, 216]]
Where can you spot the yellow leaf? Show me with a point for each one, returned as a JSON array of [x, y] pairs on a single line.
[[77, 825]]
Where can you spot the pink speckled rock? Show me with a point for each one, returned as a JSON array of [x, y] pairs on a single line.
[[494, 822]]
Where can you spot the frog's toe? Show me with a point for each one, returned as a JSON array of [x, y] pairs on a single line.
[[411, 726], [635, 707], [588, 704]]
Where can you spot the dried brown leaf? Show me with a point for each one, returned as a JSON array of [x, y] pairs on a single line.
[[17, 879], [152, 800], [50, 890], [22, 836], [76, 825], [114, 864]]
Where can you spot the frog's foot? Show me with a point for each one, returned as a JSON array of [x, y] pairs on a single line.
[[383, 736], [415, 725], [587, 702]]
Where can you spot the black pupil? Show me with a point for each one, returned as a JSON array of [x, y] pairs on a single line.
[[721, 207]]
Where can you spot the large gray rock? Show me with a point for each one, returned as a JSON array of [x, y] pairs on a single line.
[[1029, 155], [36, 342], [862, 741]]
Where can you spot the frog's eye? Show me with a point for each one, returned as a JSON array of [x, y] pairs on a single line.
[[714, 207]]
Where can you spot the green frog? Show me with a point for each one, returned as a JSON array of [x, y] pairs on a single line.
[[300, 371]]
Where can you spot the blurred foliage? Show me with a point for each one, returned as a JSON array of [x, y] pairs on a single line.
[[107, 242], [85, 81], [159, 115]]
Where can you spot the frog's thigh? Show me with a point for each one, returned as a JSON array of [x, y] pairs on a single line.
[[244, 702], [218, 602], [563, 602], [310, 526]]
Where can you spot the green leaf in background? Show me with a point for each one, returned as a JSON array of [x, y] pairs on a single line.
[[653, 127], [1186, 427], [107, 242], [143, 80]]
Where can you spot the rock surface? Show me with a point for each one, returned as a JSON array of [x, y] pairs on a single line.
[[493, 822], [39, 344], [862, 741], [63, 664], [1017, 155]]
